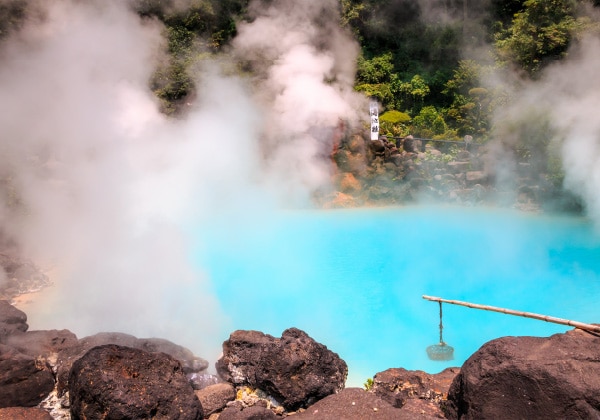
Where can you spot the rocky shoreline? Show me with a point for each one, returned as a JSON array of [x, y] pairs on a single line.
[[55, 375], [399, 171]]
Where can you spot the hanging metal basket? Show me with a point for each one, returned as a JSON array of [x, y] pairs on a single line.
[[440, 351]]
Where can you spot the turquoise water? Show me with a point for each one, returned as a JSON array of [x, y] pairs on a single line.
[[354, 279]]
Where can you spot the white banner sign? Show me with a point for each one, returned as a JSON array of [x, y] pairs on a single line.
[[374, 112]]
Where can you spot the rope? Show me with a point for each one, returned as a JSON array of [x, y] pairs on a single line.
[[441, 325]]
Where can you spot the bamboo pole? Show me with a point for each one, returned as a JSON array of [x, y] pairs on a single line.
[[576, 324]]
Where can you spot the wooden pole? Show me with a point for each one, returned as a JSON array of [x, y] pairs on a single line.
[[580, 325]]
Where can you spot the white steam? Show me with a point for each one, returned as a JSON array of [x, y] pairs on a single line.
[[99, 183], [566, 97], [305, 65], [573, 90]]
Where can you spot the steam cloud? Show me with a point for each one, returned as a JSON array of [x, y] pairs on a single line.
[[560, 109], [305, 80], [97, 182]]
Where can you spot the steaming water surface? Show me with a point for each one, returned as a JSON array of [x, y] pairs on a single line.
[[353, 279]]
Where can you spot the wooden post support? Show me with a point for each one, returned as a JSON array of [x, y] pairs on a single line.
[[580, 325]]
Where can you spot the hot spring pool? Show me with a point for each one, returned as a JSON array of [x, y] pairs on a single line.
[[354, 279]]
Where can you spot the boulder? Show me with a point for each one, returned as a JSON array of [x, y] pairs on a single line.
[[215, 397], [68, 356], [12, 320], [397, 386], [113, 381], [411, 145], [22, 413], [555, 377], [24, 380], [354, 403], [293, 369], [189, 362], [256, 412], [42, 343], [377, 147]]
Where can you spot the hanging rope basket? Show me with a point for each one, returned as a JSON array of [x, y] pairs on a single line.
[[441, 351]]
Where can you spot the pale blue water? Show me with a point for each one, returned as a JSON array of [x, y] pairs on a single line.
[[354, 279]]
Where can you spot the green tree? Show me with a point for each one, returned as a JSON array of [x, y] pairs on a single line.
[[376, 70], [395, 123], [540, 33], [429, 123], [413, 93], [472, 105]]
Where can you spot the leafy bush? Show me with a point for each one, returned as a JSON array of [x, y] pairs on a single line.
[[394, 117]]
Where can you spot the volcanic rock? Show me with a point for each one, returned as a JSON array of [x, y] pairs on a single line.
[[42, 343], [398, 386], [256, 412], [409, 144], [21, 413], [11, 320], [349, 183], [189, 361], [21, 275], [68, 356], [295, 369], [354, 403], [557, 377], [377, 147], [114, 381], [215, 397], [24, 380]]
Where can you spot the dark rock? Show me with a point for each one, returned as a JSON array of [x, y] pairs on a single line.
[[411, 145], [352, 404], [377, 147], [420, 409], [397, 386], [12, 320], [114, 381], [295, 369], [67, 357], [398, 159], [22, 413], [24, 381], [215, 397], [557, 377], [189, 362], [42, 343], [249, 413]]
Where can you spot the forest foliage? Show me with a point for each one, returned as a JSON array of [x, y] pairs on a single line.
[[427, 66]]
